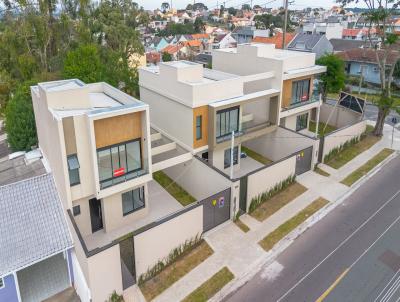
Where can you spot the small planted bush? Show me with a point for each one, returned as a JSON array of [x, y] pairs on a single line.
[[114, 297], [263, 197], [176, 253]]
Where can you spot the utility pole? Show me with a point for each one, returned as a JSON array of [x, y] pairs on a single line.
[[285, 24]]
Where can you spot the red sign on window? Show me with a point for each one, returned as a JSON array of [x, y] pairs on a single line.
[[304, 98], [119, 172]]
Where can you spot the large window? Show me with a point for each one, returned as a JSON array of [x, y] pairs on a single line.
[[227, 121], [227, 157], [300, 91], [301, 121], [198, 127], [118, 163], [132, 201], [73, 170]]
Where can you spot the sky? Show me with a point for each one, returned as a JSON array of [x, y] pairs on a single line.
[[297, 4]]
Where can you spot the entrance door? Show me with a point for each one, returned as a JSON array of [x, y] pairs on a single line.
[[243, 194], [216, 209], [127, 253], [96, 217]]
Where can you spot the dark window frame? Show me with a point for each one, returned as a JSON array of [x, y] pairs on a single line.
[[78, 181], [235, 157], [76, 210], [141, 194], [2, 283], [119, 160], [227, 121], [302, 127], [298, 86], [199, 124]]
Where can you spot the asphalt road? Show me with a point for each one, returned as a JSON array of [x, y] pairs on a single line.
[[353, 254]]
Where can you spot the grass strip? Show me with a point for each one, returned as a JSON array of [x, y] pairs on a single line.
[[242, 225], [279, 200], [173, 188], [209, 288], [329, 128], [368, 166], [173, 272], [321, 172], [256, 156], [272, 238], [347, 154]]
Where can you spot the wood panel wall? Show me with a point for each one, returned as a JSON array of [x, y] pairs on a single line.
[[203, 111], [287, 90], [117, 129]]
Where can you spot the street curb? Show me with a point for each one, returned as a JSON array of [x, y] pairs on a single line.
[[286, 241]]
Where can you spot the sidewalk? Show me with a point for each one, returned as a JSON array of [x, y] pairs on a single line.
[[240, 251]]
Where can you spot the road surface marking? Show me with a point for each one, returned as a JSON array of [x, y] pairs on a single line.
[[392, 290], [339, 246], [390, 281], [334, 284]]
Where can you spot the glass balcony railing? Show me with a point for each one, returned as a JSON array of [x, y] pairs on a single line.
[[245, 128], [117, 180], [312, 99]]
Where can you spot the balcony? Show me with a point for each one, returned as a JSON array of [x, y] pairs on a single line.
[[297, 107], [245, 128], [120, 179]]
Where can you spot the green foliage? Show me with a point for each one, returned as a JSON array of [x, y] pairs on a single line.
[[269, 21], [166, 57], [20, 121], [263, 197], [334, 79], [174, 255], [83, 63], [114, 297], [173, 29]]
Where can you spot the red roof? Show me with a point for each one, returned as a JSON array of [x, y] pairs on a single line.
[[277, 39], [350, 32], [153, 57], [368, 55], [193, 43], [171, 49], [200, 36]]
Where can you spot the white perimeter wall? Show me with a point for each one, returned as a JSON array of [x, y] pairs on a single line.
[[156, 243], [267, 178], [339, 116], [338, 138], [198, 179]]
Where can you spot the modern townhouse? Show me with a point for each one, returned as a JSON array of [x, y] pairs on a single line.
[[294, 73], [96, 142], [202, 107]]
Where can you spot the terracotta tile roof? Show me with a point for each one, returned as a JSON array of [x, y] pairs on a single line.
[[171, 49], [193, 43], [200, 36], [153, 57], [367, 55], [350, 32], [277, 39]]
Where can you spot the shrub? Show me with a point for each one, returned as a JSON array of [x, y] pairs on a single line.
[[176, 253], [263, 197], [114, 297]]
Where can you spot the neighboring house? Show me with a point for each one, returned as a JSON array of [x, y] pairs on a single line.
[[332, 30], [158, 43], [291, 72], [207, 106], [223, 41], [277, 40], [176, 51], [36, 255], [158, 25], [153, 57], [343, 44], [314, 43], [246, 34], [358, 33], [363, 62]]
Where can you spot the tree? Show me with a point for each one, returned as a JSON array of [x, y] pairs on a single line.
[[199, 25], [333, 81], [232, 11], [189, 7], [83, 63], [164, 7], [166, 57], [378, 15], [20, 120], [199, 6], [246, 7]]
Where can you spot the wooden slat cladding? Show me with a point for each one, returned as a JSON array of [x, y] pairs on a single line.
[[287, 90], [203, 111], [117, 129], [69, 135]]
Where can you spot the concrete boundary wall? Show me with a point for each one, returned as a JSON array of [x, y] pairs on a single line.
[[339, 116], [198, 179], [265, 179], [339, 137], [156, 243]]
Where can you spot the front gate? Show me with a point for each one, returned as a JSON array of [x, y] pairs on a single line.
[[303, 160], [127, 254], [216, 209]]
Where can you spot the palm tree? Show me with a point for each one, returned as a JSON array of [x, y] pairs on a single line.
[[165, 7]]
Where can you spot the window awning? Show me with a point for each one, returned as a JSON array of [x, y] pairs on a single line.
[[245, 98]]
